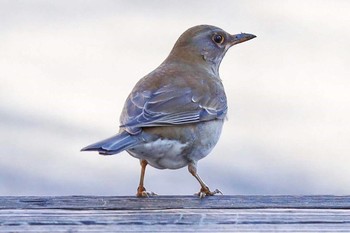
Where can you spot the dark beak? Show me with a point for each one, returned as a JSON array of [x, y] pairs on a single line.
[[239, 38]]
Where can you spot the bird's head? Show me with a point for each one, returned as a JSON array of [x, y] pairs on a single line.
[[205, 45]]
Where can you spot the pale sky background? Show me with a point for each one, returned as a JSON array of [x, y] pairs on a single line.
[[66, 68]]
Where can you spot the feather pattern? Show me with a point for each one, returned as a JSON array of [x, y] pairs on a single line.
[[114, 144], [182, 101]]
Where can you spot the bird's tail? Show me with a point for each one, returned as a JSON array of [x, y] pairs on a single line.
[[114, 145]]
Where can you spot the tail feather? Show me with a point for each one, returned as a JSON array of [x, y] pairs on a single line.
[[114, 144]]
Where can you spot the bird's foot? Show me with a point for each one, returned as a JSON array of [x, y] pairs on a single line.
[[206, 192], [141, 192]]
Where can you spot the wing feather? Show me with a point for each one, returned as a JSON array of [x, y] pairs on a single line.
[[170, 105]]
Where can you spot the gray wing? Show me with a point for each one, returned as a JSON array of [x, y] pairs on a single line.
[[172, 106]]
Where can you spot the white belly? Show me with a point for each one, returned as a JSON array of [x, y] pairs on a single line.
[[171, 153], [162, 153]]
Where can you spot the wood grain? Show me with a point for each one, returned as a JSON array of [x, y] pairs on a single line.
[[175, 214]]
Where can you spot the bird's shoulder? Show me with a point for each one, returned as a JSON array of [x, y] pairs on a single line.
[[179, 77], [174, 96]]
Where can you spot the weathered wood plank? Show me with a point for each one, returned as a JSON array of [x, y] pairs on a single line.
[[174, 202], [176, 220], [175, 214]]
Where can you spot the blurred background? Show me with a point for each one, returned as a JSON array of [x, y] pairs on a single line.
[[66, 68]]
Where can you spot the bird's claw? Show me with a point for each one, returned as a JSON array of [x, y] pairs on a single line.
[[144, 193], [206, 192], [148, 194]]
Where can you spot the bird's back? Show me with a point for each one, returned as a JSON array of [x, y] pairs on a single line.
[[174, 94]]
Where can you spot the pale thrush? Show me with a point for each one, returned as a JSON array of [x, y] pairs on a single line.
[[174, 115]]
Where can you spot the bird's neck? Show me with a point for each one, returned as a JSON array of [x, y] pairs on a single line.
[[194, 61]]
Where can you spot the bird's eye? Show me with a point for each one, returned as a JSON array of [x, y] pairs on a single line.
[[218, 39]]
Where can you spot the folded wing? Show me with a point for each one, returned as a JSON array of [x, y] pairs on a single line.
[[172, 105]]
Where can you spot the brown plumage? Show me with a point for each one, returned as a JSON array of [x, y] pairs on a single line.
[[173, 117]]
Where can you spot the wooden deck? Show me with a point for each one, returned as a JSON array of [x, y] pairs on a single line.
[[220, 213]]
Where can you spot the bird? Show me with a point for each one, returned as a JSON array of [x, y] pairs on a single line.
[[174, 115]]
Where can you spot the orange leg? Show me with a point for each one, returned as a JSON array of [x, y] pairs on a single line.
[[204, 191], [141, 191]]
